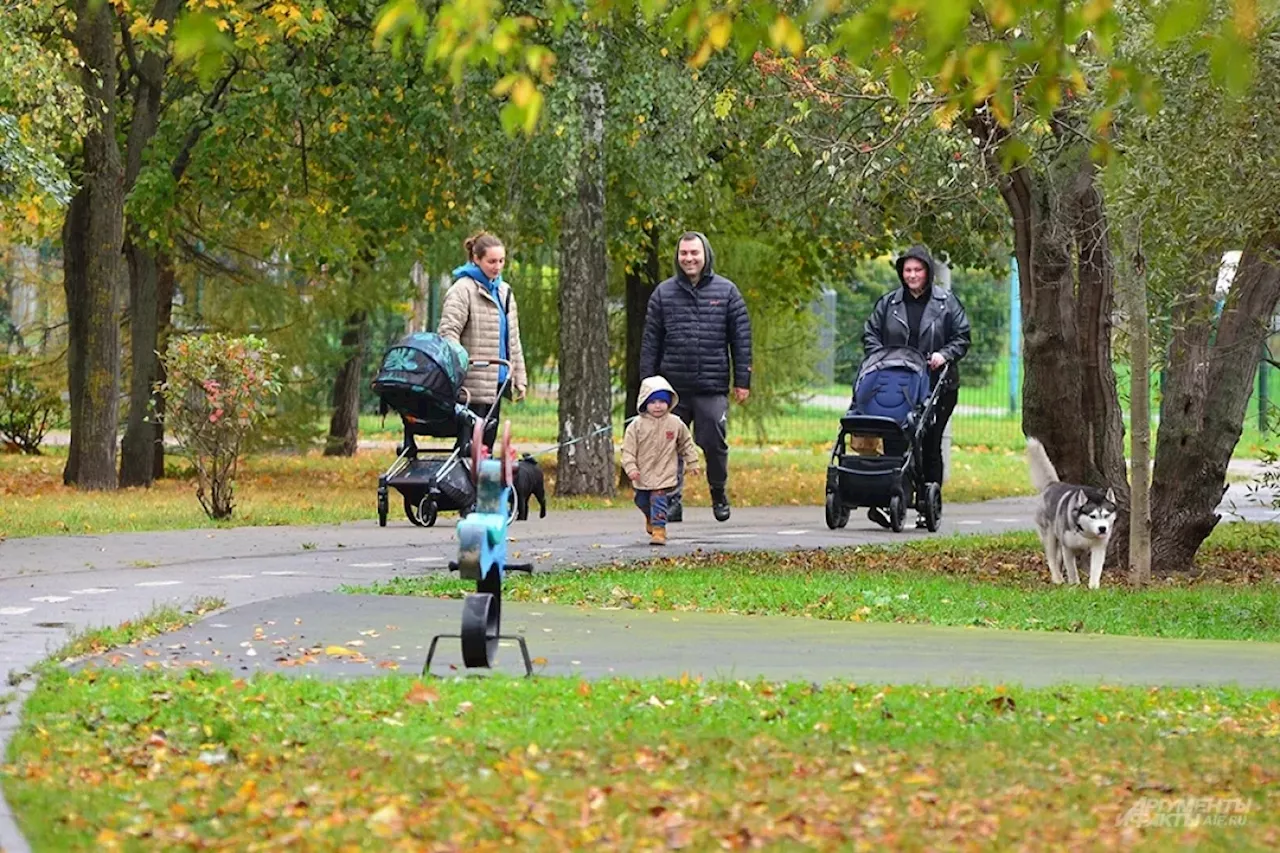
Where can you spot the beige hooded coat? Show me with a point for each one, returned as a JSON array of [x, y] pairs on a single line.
[[651, 447], [470, 316]]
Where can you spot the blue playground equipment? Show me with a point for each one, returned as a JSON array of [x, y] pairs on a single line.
[[482, 557]]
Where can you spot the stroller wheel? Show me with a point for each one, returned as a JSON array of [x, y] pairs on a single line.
[[844, 517], [932, 506], [897, 513], [411, 511], [427, 512], [833, 511], [382, 506]]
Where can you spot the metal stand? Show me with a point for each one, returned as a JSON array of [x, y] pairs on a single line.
[[482, 556]]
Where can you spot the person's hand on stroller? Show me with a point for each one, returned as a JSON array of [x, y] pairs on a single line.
[[937, 360]]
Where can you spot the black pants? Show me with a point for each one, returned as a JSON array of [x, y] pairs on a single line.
[[708, 415], [491, 429], [942, 409]]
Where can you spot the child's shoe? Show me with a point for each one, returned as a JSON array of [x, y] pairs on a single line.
[[658, 536]]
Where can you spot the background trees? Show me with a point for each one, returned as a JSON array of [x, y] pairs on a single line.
[[279, 169]]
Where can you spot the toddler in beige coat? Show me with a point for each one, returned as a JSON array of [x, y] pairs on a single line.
[[651, 451]]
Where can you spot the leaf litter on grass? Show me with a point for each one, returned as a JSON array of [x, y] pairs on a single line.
[[137, 761]]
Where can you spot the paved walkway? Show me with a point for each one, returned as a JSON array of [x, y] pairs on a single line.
[[391, 633]]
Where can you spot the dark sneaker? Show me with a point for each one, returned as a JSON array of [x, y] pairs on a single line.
[[880, 517], [675, 512], [921, 524], [720, 504]]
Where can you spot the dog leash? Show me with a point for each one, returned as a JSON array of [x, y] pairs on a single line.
[[592, 434]]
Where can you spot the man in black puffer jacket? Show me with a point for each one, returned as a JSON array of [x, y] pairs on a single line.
[[698, 336]]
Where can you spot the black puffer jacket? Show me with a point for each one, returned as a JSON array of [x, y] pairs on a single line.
[[691, 331], [944, 327]]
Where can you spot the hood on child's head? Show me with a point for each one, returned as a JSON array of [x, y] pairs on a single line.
[[651, 384]]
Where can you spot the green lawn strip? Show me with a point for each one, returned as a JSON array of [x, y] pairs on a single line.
[[108, 760], [997, 582], [161, 619]]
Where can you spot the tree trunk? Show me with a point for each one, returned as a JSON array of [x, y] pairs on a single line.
[[1069, 398], [344, 425], [74, 228], [640, 283], [1139, 417], [137, 455], [1206, 391], [1095, 307], [166, 284], [1065, 365], [96, 231], [586, 467]]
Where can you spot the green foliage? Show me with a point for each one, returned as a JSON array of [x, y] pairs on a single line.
[[41, 110], [778, 293], [1197, 178], [29, 405], [216, 391]]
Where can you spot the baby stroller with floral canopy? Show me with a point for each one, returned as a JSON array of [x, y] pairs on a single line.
[[420, 379], [892, 408]]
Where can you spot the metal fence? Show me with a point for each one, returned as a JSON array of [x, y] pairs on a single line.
[[985, 417]]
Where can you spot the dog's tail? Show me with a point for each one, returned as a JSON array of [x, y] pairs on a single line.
[[1042, 471]]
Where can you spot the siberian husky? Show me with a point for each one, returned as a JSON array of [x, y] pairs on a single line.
[[1071, 520]]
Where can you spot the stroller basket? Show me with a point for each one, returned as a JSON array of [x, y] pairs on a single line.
[[868, 480]]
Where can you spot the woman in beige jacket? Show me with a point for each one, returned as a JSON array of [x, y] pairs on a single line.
[[480, 313]]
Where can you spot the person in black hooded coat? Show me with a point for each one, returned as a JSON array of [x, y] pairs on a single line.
[[932, 321], [697, 335]]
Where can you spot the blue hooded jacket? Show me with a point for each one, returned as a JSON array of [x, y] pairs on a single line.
[[472, 270]]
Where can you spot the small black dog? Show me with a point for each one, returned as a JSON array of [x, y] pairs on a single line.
[[528, 477]]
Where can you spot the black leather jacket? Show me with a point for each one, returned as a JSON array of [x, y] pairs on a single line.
[[944, 328]]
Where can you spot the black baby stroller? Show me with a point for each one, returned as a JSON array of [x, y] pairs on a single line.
[[421, 380], [877, 459]]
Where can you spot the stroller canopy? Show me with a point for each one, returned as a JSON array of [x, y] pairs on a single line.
[[891, 383], [421, 376]]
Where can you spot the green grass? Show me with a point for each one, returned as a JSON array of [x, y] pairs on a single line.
[[312, 489], [161, 619], [140, 761], [985, 581]]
